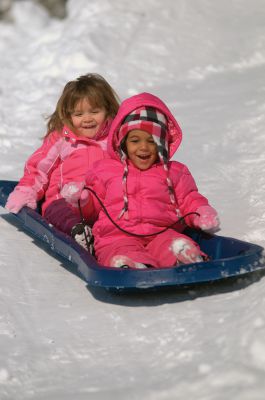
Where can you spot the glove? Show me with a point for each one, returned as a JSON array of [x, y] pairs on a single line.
[[20, 197], [208, 220], [72, 192]]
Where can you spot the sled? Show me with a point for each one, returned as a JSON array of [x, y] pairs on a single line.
[[229, 257]]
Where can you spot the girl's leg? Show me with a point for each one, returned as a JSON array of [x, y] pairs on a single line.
[[173, 248], [62, 215], [125, 251]]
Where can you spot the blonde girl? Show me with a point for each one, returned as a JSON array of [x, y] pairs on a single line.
[[76, 137]]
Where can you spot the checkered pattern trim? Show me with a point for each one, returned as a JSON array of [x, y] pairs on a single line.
[[150, 120]]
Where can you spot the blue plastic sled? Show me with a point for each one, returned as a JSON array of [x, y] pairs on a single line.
[[228, 257]]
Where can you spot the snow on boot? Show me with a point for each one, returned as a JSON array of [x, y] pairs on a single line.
[[120, 261], [186, 251]]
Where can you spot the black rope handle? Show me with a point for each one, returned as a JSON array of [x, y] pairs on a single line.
[[83, 222], [179, 220]]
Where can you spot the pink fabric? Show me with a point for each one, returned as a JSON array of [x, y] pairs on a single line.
[[208, 220], [63, 158], [137, 120], [149, 204], [150, 209], [73, 192], [20, 197], [186, 250], [62, 215], [156, 251], [137, 101], [122, 261]]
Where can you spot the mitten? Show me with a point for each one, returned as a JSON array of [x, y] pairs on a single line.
[[72, 192], [20, 197], [208, 220]]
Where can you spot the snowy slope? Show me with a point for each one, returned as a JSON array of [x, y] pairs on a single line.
[[60, 340]]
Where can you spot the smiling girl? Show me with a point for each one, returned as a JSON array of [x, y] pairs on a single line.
[[76, 137], [145, 193]]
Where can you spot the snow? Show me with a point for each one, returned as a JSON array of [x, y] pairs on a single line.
[[62, 340]]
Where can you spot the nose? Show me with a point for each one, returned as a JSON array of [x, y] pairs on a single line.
[[87, 117], [144, 145]]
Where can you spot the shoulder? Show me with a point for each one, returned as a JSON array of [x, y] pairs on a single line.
[[181, 176], [179, 172], [105, 168], [178, 167], [54, 135], [52, 138], [106, 164]]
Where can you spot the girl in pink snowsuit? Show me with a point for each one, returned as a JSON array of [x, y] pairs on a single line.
[[145, 193], [76, 138]]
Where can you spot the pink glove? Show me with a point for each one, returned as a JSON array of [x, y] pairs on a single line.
[[74, 191], [208, 220], [20, 197]]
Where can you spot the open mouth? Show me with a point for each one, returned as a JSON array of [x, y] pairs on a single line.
[[89, 127], [144, 157]]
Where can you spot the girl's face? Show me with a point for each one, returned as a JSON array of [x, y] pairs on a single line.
[[141, 149], [86, 119]]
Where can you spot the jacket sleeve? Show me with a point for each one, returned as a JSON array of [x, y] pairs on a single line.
[[40, 165], [187, 195], [34, 182]]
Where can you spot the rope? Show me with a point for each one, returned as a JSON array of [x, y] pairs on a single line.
[[179, 220], [83, 222]]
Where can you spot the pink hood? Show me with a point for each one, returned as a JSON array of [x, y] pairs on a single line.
[[129, 105]]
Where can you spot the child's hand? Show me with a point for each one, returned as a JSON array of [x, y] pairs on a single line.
[[72, 192], [20, 197], [208, 220]]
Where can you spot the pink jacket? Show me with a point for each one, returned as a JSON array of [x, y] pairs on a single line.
[[150, 209], [62, 158]]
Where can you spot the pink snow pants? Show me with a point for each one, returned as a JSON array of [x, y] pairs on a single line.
[[153, 250]]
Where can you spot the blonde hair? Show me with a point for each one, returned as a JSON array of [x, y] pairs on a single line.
[[90, 86]]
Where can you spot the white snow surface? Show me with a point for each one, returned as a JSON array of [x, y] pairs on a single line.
[[61, 340]]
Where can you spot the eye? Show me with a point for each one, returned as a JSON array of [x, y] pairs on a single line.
[[133, 140]]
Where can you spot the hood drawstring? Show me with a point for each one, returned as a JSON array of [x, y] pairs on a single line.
[[124, 211], [162, 149], [170, 188]]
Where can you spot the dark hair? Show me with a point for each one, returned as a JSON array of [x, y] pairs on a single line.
[[91, 86]]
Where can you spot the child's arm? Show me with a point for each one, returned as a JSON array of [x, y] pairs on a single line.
[[78, 193], [95, 183], [34, 182], [190, 200]]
